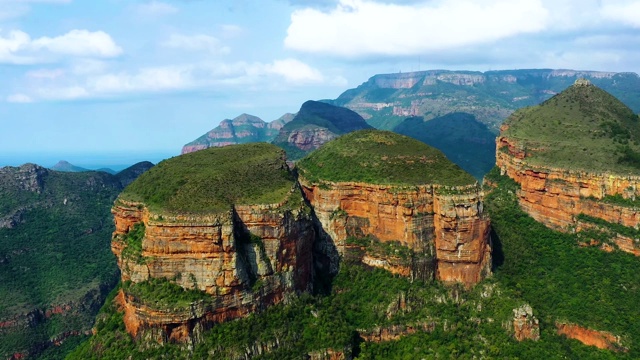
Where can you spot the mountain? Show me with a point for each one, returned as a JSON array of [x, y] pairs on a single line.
[[382, 191], [464, 140], [240, 130], [577, 158], [387, 100], [56, 266], [128, 175], [65, 166], [315, 124], [225, 234], [571, 165], [108, 171]]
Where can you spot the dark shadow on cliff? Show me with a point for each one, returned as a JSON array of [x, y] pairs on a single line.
[[497, 256], [463, 139]]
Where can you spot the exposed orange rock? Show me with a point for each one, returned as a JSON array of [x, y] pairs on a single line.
[[525, 325], [213, 253], [555, 196], [599, 339], [447, 225]]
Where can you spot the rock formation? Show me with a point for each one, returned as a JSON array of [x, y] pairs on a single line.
[[443, 227], [568, 187], [525, 325], [237, 259], [599, 339], [243, 129]]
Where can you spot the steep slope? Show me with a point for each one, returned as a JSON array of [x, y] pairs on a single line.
[[65, 166], [128, 175], [240, 130], [464, 140], [315, 124], [383, 193], [56, 267], [208, 237], [386, 100], [577, 159]]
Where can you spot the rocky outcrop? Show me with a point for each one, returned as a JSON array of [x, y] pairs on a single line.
[[242, 129], [245, 260], [310, 138], [599, 339], [445, 226], [555, 196], [525, 325], [395, 332]]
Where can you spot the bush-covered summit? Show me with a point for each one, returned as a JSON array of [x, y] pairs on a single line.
[[582, 128], [214, 179], [381, 157]]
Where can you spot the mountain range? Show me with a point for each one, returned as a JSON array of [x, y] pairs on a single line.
[[458, 112]]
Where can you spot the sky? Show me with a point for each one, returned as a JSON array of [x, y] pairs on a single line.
[[112, 82]]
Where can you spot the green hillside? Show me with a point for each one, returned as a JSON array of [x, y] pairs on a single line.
[[584, 127], [214, 179], [381, 157], [313, 116], [55, 250]]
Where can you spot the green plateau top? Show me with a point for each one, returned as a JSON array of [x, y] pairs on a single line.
[[214, 179], [582, 128], [381, 157]]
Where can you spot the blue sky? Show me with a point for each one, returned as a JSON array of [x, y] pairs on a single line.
[[127, 80]]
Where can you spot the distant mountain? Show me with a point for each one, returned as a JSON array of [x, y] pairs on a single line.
[[315, 124], [56, 265], [65, 166], [242, 129], [387, 100], [108, 171]]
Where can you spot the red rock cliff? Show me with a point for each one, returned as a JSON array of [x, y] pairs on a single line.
[[555, 196], [446, 226], [217, 254]]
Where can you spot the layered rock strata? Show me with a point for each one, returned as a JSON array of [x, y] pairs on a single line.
[[445, 226], [555, 196], [244, 259]]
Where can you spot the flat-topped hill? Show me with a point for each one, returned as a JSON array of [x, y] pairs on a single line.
[[381, 157], [582, 128], [214, 179]]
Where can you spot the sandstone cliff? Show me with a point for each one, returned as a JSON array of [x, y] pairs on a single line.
[[235, 262], [443, 227], [584, 197]]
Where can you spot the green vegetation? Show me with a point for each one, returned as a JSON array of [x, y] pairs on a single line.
[[383, 249], [582, 128], [612, 227], [617, 199], [164, 294], [133, 243], [57, 252], [214, 179], [381, 157]]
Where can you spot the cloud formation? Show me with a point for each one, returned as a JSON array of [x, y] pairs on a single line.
[[17, 47], [199, 42], [357, 28]]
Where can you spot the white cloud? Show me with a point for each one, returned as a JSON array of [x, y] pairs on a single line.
[[19, 98], [357, 28], [294, 71], [50, 74], [198, 42], [212, 75], [626, 12], [17, 47], [80, 43], [156, 8]]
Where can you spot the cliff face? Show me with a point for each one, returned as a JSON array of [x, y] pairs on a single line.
[[599, 339], [242, 129], [448, 233], [555, 197], [310, 138], [245, 259]]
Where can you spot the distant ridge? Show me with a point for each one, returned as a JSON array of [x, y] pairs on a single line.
[[65, 166], [242, 129]]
